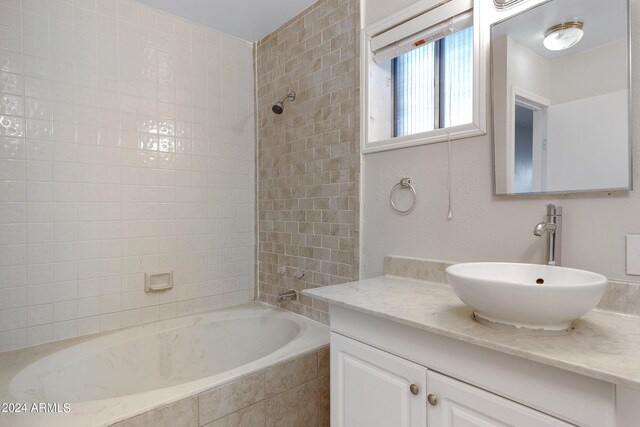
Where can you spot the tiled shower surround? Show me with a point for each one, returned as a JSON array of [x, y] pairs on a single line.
[[308, 157], [126, 146]]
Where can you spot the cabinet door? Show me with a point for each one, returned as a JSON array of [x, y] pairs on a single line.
[[461, 405], [372, 388]]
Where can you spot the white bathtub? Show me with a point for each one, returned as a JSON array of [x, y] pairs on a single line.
[[114, 376]]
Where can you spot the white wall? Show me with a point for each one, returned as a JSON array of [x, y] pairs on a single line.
[[583, 75], [126, 146], [527, 70], [520, 67], [377, 10], [485, 227], [583, 92], [592, 156]]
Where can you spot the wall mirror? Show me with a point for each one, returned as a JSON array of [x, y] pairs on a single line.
[[560, 75]]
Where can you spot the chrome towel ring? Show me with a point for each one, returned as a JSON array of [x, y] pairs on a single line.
[[406, 184]]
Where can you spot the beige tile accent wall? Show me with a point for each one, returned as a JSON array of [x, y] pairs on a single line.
[[308, 157], [293, 394]]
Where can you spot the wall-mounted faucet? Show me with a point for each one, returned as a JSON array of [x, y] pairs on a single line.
[[553, 227]]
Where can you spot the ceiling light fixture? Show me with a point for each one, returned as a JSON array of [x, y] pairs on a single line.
[[563, 36]]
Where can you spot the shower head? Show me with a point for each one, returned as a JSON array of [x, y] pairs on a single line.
[[278, 107]]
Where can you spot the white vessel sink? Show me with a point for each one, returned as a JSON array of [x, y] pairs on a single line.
[[530, 296]]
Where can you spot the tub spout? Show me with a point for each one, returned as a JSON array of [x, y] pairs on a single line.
[[287, 296]]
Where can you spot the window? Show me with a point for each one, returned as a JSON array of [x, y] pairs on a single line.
[[433, 85], [424, 76]]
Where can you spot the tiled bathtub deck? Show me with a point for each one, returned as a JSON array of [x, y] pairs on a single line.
[[294, 393]]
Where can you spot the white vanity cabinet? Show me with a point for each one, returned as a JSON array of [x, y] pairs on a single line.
[[371, 387], [375, 361], [456, 404], [390, 332]]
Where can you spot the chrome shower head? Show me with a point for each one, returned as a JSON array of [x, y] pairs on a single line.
[[278, 107]]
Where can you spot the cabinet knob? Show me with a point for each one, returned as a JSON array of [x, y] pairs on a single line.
[[414, 389], [432, 399]]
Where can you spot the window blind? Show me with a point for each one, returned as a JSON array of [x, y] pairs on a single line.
[[423, 29], [434, 85], [457, 82]]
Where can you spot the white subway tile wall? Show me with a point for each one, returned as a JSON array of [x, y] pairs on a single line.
[[126, 146]]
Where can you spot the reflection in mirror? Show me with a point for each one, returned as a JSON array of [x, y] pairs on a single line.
[[560, 82]]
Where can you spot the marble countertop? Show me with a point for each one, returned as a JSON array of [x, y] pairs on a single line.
[[603, 345]]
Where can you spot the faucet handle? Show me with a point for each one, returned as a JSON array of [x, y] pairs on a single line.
[[553, 210]]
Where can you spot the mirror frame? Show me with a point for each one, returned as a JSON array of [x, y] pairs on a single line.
[[631, 132]]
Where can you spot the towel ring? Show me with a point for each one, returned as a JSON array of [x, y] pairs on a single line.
[[404, 183]]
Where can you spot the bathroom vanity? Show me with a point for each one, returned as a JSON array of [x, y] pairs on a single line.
[[406, 352]]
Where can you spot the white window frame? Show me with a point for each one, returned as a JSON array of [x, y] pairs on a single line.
[[423, 8]]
